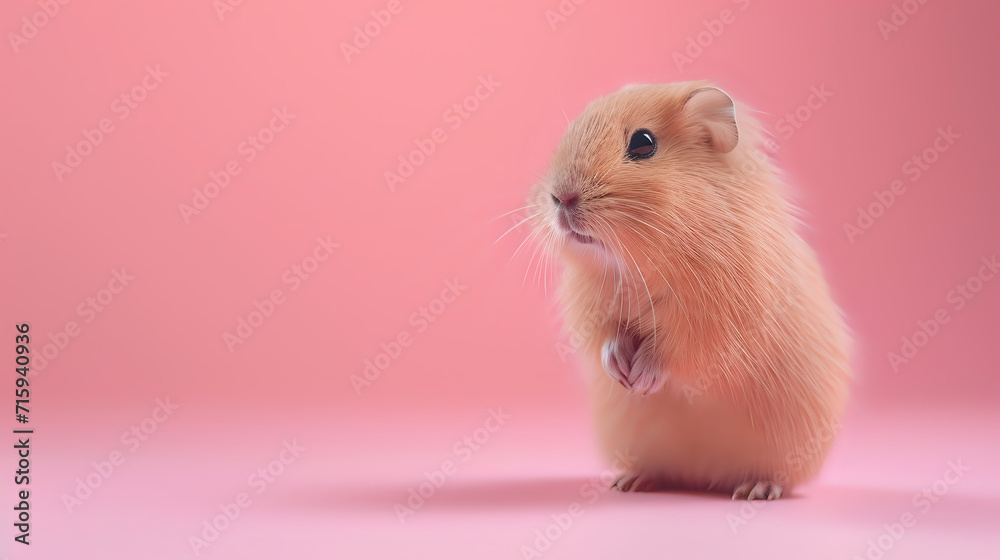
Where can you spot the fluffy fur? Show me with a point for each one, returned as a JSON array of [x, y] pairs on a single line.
[[717, 359]]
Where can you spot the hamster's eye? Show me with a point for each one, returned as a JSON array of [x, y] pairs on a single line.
[[642, 145]]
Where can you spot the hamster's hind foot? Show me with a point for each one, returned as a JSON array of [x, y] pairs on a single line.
[[757, 490], [634, 482], [631, 361]]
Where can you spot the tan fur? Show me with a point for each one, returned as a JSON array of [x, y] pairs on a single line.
[[698, 250]]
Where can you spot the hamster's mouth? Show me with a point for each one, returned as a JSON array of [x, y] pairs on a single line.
[[571, 231], [580, 238]]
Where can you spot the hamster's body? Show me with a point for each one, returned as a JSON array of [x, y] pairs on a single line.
[[718, 361]]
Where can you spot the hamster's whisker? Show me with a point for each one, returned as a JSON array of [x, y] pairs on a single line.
[[602, 233], [646, 240], [521, 246], [604, 277], [638, 205], [599, 181], [690, 274], [624, 267], [545, 246], [680, 304], [518, 224], [537, 230], [618, 279], [532, 205], [540, 267], [645, 285], [565, 116], [641, 214], [551, 241], [534, 233], [528, 269]]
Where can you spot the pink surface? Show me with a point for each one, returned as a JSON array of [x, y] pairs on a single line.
[[119, 115], [339, 497]]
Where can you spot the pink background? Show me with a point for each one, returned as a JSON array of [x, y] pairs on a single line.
[[495, 345]]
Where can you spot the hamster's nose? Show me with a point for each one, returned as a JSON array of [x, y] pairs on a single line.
[[566, 200]]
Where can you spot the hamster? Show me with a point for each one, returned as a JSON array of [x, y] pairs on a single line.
[[717, 360]]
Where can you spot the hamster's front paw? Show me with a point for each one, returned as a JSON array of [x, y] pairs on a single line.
[[631, 361]]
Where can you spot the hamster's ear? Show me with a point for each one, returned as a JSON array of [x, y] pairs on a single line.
[[715, 110]]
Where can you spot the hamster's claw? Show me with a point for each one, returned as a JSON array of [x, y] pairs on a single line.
[[762, 490], [616, 356], [632, 362], [633, 482]]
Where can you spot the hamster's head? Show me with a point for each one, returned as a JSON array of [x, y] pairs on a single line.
[[641, 172]]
